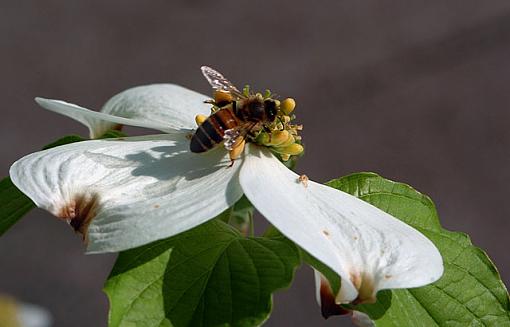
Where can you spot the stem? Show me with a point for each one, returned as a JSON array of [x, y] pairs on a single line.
[[252, 225]]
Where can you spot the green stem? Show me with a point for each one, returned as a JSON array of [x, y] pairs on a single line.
[[252, 225]]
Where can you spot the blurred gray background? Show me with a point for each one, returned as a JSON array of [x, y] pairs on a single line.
[[417, 91]]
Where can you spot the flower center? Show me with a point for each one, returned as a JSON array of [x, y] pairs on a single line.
[[256, 118], [282, 135]]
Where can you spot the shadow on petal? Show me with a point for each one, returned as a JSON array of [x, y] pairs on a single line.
[[167, 162]]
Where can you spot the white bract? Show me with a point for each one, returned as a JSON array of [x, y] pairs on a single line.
[[126, 192]]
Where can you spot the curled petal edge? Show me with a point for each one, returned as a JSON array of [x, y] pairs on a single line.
[[369, 249]]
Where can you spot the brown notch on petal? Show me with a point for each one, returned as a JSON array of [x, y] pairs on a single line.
[[80, 211], [328, 305], [365, 286], [117, 127]]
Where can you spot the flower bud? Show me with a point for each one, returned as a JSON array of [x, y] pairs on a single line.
[[263, 138], [279, 137], [199, 119], [287, 106], [289, 141], [293, 149]]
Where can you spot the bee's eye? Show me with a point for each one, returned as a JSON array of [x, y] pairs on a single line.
[[271, 110]]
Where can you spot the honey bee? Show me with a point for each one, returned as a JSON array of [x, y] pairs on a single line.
[[239, 116]]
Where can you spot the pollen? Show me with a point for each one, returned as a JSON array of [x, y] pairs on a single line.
[[199, 119]]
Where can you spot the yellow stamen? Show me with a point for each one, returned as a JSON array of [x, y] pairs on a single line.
[[287, 106], [199, 119]]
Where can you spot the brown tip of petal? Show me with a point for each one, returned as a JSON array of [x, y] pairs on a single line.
[[328, 305], [365, 286], [80, 211]]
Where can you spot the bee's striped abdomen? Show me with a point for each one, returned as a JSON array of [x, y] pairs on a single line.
[[211, 131]]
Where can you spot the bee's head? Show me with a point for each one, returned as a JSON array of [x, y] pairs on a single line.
[[271, 110]]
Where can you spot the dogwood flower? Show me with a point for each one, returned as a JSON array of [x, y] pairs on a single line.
[[126, 192]]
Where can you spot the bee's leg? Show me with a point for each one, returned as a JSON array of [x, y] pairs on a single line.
[[236, 152], [215, 107]]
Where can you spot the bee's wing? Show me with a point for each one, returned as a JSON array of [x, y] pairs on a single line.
[[219, 83], [235, 135]]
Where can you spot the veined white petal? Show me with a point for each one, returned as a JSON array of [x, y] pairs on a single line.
[[368, 248], [97, 122], [129, 191], [164, 107], [171, 104]]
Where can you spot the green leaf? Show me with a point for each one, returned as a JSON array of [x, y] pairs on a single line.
[[240, 215], [331, 276], [470, 293], [208, 276], [64, 140], [13, 203], [112, 133]]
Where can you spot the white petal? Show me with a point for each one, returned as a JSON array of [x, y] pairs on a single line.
[[171, 104], [31, 315], [361, 319], [367, 247], [326, 300], [325, 297], [133, 190], [97, 122], [163, 107]]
